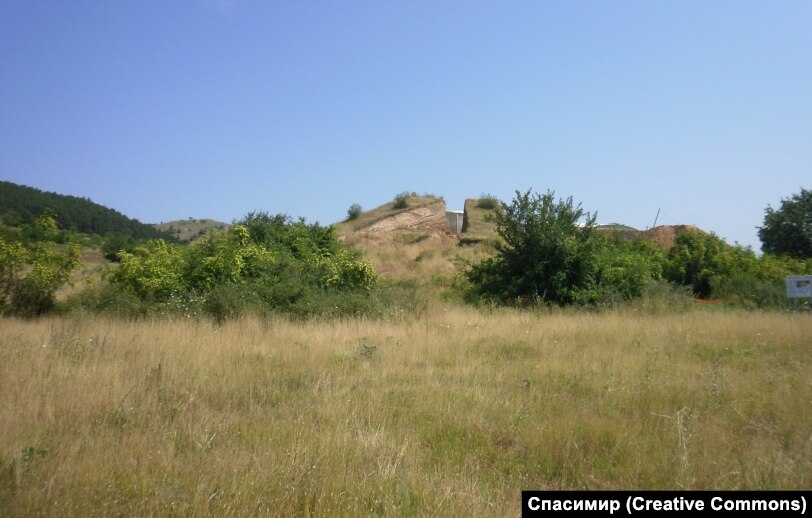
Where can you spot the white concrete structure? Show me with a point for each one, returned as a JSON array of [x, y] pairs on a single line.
[[455, 219]]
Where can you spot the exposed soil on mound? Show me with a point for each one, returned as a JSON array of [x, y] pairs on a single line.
[[428, 218], [664, 235]]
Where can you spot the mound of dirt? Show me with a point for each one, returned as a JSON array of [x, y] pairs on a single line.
[[427, 218], [664, 235]]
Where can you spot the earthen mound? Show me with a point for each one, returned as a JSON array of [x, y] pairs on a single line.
[[426, 218], [664, 235]]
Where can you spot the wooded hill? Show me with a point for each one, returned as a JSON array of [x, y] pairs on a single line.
[[20, 204]]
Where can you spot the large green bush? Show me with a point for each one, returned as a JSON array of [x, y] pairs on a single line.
[[546, 254], [33, 269], [694, 259], [264, 263], [714, 269], [625, 271]]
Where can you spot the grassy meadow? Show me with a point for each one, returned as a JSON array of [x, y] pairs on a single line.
[[453, 412]]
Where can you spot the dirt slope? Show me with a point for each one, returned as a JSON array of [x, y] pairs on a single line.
[[664, 235], [426, 218]]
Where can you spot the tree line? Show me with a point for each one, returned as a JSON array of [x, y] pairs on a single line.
[[22, 205]]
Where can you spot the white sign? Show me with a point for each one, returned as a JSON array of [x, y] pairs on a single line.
[[799, 286]]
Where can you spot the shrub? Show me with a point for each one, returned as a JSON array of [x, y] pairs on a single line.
[[153, 271], [624, 271], [31, 273], [545, 256], [354, 212], [694, 259], [401, 201], [488, 201], [115, 243], [263, 263], [228, 301]]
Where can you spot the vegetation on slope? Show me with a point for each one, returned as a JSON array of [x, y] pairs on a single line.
[[479, 223], [262, 264], [22, 205]]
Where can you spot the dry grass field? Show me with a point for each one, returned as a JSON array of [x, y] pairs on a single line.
[[451, 413]]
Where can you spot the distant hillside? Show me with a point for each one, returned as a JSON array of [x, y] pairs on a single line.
[[190, 229], [20, 204]]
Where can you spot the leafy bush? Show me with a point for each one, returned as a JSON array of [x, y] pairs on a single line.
[[545, 254], [228, 301], [153, 271], [624, 271], [401, 201], [264, 263], [32, 272], [354, 211], [115, 243], [694, 260], [713, 269]]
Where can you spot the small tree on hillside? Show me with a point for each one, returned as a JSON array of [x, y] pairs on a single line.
[[354, 211], [788, 230], [545, 254], [401, 201]]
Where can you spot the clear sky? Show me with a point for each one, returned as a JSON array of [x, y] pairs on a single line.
[[213, 108]]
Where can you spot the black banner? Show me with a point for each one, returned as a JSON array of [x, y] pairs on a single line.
[[668, 503]]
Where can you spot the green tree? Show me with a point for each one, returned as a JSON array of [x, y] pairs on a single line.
[[788, 229], [694, 260], [545, 253], [354, 211]]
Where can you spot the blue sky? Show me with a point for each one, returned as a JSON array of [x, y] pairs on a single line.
[[207, 108]]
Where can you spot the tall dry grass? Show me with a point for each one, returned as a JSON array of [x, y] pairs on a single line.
[[417, 256], [453, 413]]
